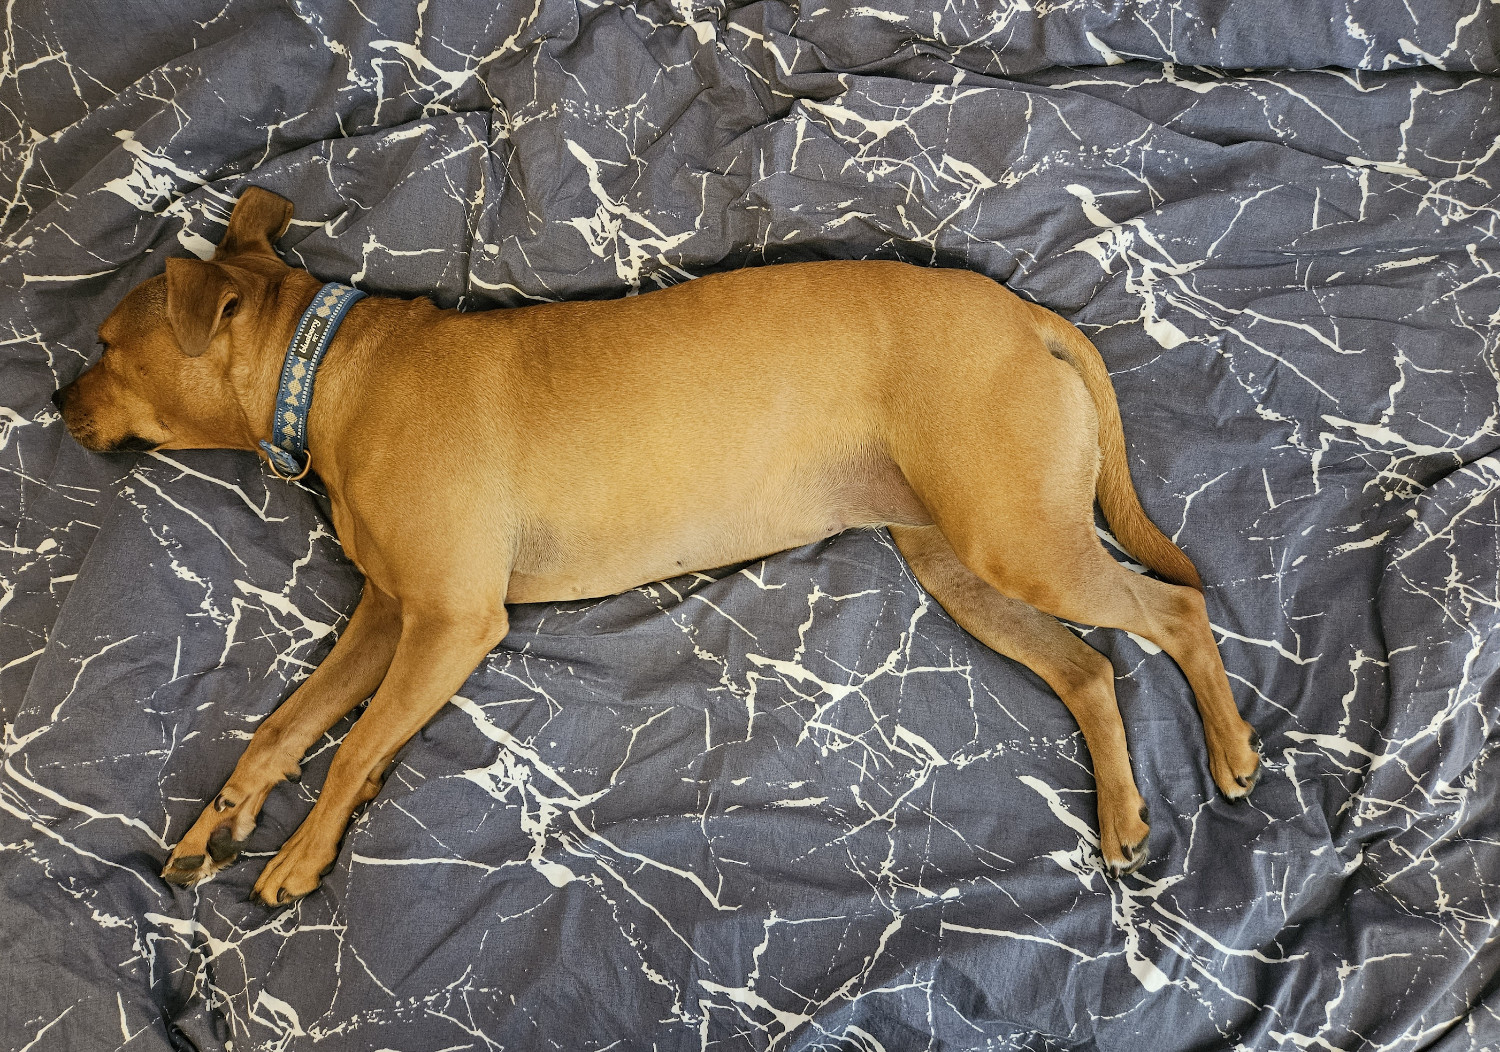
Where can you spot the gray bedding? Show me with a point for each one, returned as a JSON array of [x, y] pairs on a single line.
[[787, 805]]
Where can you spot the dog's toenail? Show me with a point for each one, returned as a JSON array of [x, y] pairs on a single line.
[[1255, 741], [222, 803], [187, 862], [1145, 814], [221, 844], [295, 776], [280, 896], [1244, 780]]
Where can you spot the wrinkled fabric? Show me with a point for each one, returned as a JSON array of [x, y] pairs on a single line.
[[786, 805]]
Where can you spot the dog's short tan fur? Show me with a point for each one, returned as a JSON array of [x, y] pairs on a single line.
[[580, 449]]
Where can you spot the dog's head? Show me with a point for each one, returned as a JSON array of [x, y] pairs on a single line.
[[179, 345]]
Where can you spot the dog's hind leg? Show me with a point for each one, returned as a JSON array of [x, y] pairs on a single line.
[[439, 647], [1080, 675], [348, 675], [1071, 576], [1012, 491]]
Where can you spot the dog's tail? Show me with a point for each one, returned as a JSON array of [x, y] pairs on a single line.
[[1117, 496]]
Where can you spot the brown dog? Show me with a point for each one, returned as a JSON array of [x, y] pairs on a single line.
[[582, 449]]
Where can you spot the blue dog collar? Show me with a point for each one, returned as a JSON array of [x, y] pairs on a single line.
[[288, 456]]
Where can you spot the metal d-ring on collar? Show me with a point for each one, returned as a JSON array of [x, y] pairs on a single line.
[[288, 455]]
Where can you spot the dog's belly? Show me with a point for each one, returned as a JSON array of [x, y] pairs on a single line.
[[865, 492]]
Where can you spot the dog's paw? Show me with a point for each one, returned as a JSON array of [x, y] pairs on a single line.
[[187, 866], [215, 839], [1122, 840], [297, 869], [1235, 764]]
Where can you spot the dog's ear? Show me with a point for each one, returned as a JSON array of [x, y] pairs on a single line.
[[259, 217], [201, 298]]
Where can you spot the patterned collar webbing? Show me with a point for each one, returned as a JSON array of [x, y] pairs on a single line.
[[294, 396]]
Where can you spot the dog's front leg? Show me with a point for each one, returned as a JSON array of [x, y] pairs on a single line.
[[438, 649], [348, 675]]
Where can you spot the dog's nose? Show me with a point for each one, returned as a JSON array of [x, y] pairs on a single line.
[[57, 397]]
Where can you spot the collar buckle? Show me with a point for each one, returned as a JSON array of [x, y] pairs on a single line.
[[283, 465]]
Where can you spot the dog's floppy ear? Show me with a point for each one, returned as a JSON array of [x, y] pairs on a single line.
[[259, 217], [201, 298]]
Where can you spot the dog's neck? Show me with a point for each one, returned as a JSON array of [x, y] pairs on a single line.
[[335, 392]]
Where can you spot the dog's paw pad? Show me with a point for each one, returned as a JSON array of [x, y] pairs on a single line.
[[222, 845], [187, 870]]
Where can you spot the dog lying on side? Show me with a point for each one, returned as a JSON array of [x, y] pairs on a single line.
[[573, 450]]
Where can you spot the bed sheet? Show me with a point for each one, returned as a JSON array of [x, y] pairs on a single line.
[[787, 805]]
